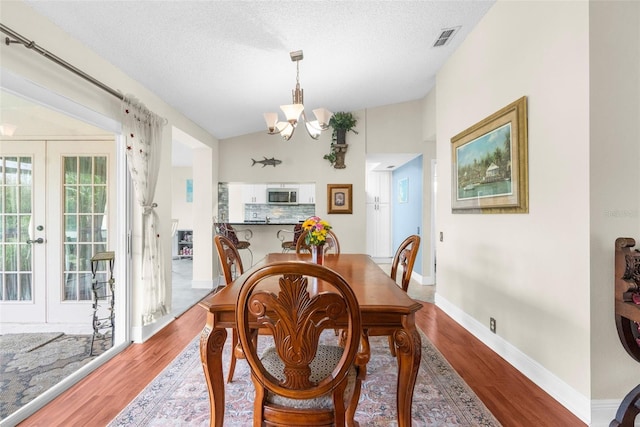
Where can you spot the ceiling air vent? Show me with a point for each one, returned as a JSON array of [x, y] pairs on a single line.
[[445, 36]]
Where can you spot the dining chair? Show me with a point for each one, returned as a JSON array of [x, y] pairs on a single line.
[[404, 259], [227, 230], [298, 380], [289, 245], [231, 265], [332, 245]]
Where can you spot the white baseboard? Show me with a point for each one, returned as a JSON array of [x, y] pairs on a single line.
[[202, 284], [567, 396], [423, 280], [604, 411], [140, 334]]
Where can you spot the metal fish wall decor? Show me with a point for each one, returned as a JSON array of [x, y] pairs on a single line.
[[267, 162]]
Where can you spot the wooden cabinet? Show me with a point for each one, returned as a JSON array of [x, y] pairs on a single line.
[[307, 193]]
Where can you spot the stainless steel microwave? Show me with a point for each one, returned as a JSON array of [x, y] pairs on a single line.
[[282, 196]]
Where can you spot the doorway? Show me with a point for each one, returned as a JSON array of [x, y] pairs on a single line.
[[192, 210], [57, 215]]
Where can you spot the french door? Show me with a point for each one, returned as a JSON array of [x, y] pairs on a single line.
[[57, 211]]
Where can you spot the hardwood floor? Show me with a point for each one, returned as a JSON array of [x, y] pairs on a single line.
[[97, 399]]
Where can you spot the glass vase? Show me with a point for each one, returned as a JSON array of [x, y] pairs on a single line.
[[317, 254]]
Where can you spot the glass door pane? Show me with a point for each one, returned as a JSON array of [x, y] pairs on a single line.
[[16, 273], [85, 223]]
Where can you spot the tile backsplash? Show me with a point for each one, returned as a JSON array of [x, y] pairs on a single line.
[[253, 212], [289, 214]]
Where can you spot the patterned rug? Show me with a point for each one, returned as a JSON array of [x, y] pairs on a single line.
[[30, 364], [178, 395]]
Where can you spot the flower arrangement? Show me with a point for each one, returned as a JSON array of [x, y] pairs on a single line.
[[318, 229]]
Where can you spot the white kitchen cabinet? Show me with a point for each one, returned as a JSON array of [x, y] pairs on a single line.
[[307, 193], [379, 230], [378, 210], [254, 193], [378, 187]]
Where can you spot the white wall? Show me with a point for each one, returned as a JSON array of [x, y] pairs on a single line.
[[528, 271], [614, 179], [180, 209], [429, 204], [395, 128]]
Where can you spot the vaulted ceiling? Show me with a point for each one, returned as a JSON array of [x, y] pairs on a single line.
[[224, 63]]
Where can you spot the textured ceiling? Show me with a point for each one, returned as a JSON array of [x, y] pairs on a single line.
[[224, 63]]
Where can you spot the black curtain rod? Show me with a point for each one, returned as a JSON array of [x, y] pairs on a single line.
[[30, 44]]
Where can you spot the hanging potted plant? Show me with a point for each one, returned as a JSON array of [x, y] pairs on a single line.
[[341, 122]]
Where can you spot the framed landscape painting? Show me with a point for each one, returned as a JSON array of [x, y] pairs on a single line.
[[339, 198], [490, 164]]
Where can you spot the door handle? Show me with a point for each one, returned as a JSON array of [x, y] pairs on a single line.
[[38, 240]]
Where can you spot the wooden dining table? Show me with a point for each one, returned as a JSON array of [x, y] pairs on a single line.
[[383, 305]]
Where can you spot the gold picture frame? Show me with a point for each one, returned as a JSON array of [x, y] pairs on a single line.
[[340, 198], [489, 171]]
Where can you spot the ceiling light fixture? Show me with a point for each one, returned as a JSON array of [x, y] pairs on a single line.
[[293, 112]]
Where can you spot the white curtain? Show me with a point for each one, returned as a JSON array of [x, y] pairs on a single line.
[[143, 131]]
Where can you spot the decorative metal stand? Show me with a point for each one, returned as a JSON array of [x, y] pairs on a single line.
[[103, 298]]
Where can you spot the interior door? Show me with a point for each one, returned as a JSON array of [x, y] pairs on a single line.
[[22, 232], [58, 204]]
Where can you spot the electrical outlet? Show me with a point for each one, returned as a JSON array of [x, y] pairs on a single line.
[[492, 325]]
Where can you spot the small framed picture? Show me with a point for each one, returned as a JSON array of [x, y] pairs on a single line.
[[403, 190], [339, 198], [190, 191]]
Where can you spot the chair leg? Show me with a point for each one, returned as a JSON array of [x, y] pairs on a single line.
[[232, 365], [392, 346]]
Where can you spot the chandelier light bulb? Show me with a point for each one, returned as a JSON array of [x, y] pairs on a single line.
[[272, 120], [295, 110]]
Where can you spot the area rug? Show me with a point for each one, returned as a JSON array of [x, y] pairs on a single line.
[[178, 395], [24, 343], [30, 364]]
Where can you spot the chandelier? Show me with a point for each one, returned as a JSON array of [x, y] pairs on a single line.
[[295, 110]]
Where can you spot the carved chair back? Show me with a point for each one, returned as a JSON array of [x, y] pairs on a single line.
[[299, 379], [405, 257], [229, 258], [231, 265]]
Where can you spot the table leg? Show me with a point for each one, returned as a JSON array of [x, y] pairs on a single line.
[[211, 344], [409, 352]]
